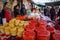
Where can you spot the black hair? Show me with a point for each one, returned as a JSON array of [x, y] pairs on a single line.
[[5, 4], [15, 7]]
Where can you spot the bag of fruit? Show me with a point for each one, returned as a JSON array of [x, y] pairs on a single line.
[[29, 35], [51, 29], [2, 33], [43, 35], [56, 35], [33, 22], [30, 27], [42, 23], [7, 30], [20, 32], [38, 29]]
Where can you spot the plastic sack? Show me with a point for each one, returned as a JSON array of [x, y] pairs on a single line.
[[4, 20], [51, 24], [46, 18]]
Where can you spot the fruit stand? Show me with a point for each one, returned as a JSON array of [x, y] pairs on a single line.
[[20, 28]]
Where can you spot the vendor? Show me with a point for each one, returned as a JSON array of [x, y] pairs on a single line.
[[6, 12]]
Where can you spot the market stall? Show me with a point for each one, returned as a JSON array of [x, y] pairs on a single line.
[[35, 26]]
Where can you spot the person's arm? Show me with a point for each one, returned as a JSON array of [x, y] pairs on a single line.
[[50, 11]]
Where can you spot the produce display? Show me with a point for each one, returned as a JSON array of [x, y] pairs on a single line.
[[13, 28], [17, 29]]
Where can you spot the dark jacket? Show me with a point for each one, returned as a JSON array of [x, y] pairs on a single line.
[[59, 13], [16, 12], [22, 11], [1, 16], [45, 11]]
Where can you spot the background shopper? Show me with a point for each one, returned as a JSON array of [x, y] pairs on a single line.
[[52, 12], [59, 13], [16, 10], [23, 10]]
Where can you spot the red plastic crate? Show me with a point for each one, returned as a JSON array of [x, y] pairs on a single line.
[[43, 35], [30, 27], [29, 35]]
